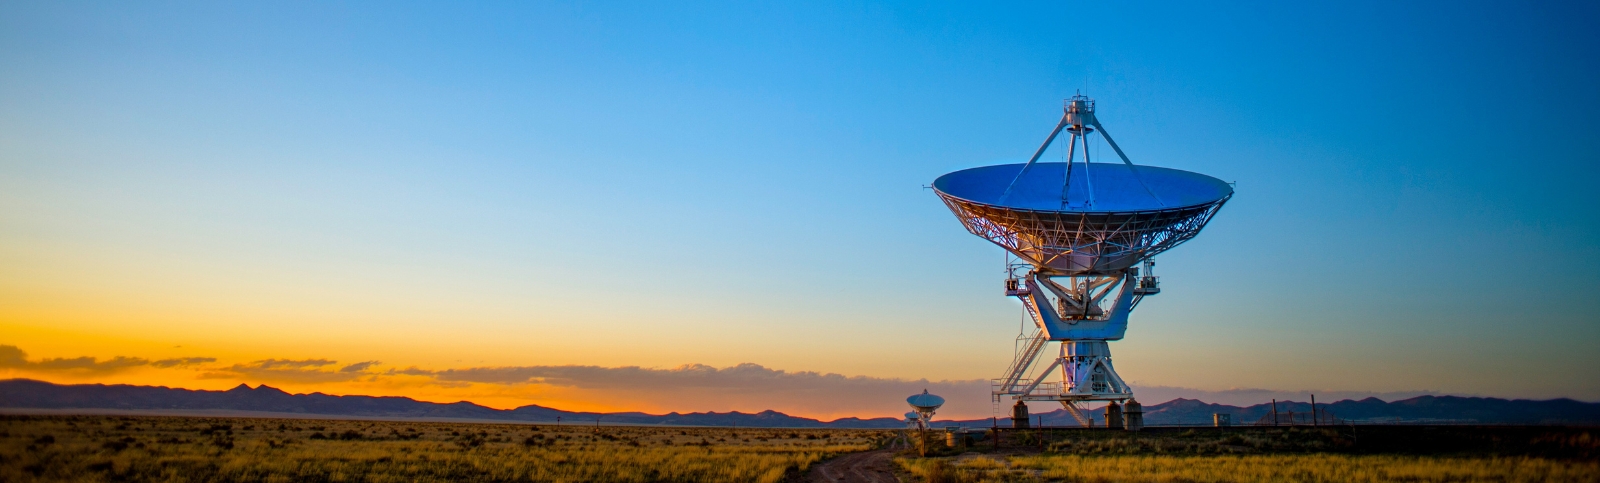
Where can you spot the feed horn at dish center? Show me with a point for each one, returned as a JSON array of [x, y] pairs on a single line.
[[1085, 232]]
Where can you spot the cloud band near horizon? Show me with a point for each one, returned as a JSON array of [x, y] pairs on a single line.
[[686, 388], [13, 357]]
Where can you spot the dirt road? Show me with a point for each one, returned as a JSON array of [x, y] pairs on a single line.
[[865, 467]]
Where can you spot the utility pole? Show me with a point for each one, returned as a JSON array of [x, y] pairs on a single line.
[[1313, 409], [1274, 412]]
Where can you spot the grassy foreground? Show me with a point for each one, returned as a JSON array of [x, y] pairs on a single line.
[[1328, 454], [1251, 468], [103, 448]]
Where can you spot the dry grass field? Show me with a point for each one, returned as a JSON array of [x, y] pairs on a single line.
[[1340, 454], [107, 448], [1250, 468], [114, 448]]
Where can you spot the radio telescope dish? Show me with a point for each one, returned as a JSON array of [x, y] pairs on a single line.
[[1099, 218], [925, 403], [1083, 229]]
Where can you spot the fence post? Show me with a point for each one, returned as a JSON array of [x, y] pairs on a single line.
[[994, 432], [1041, 433], [1313, 410]]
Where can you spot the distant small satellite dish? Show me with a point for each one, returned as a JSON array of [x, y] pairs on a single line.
[[925, 403]]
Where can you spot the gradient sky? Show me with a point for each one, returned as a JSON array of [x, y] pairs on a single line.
[[690, 207]]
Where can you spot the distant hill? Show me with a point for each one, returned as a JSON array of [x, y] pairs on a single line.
[[26, 393], [1422, 409], [1417, 410]]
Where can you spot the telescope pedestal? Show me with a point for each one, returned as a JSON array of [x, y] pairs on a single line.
[[1087, 372], [1082, 314], [1086, 375]]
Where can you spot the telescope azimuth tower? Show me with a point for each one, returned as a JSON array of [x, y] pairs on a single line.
[[1086, 232]]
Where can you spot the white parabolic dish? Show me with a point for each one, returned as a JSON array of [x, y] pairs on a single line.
[[1116, 188], [1103, 218], [925, 401]]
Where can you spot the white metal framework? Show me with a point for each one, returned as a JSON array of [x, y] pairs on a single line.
[[1077, 242], [1083, 257]]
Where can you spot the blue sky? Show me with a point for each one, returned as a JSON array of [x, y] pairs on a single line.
[[511, 184]]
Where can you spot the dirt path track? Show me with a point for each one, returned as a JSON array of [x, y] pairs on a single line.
[[865, 467]]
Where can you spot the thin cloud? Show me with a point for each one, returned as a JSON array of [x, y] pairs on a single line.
[[1252, 396], [293, 364], [359, 366], [745, 377], [183, 361], [12, 357], [286, 370], [747, 387], [409, 371]]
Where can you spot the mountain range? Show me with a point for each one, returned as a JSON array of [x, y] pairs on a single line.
[[1417, 410], [31, 394]]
